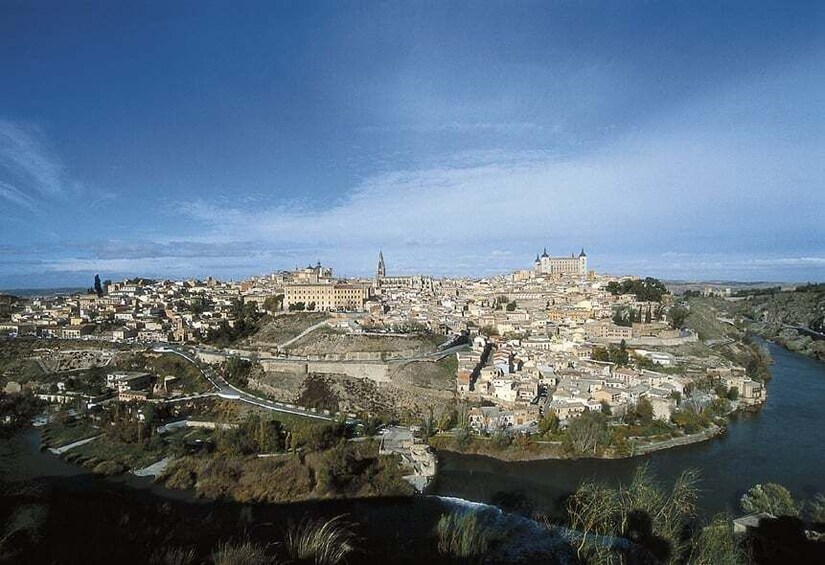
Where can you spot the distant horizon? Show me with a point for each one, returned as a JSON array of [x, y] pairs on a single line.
[[81, 285], [643, 268]]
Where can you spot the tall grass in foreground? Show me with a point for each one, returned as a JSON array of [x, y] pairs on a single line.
[[320, 542], [463, 534], [172, 556], [244, 553], [653, 518]]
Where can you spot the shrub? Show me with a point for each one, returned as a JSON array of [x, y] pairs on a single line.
[[462, 439], [715, 544], [109, 468], [180, 474], [770, 497], [500, 440], [816, 509], [642, 512]]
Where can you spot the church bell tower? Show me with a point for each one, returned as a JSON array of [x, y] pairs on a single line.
[[381, 271]]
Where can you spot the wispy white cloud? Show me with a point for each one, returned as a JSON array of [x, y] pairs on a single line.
[[15, 196], [30, 172], [660, 186], [707, 177]]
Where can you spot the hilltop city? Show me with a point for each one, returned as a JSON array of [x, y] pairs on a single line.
[[301, 385], [552, 339]]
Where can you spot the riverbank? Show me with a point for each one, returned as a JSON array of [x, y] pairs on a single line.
[[779, 443], [302, 462], [554, 450], [792, 339], [791, 318], [74, 515]]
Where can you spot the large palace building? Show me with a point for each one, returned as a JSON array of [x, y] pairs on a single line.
[[315, 286], [573, 265]]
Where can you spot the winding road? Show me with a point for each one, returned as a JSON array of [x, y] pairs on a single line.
[[228, 391]]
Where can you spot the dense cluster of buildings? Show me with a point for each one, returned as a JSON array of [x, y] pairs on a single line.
[[535, 333], [539, 335], [180, 311]]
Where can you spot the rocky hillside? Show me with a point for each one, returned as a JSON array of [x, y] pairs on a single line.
[[285, 327], [791, 318], [326, 341], [804, 306], [417, 389]]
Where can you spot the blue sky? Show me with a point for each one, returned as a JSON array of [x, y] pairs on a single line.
[[177, 139]]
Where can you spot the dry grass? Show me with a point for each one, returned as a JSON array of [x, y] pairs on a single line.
[[244, 553], [463, 535], [320, 542]]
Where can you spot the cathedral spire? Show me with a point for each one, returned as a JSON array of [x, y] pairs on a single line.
[[381, 272]]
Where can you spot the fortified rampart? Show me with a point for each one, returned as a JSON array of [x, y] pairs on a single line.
[[360, 365]]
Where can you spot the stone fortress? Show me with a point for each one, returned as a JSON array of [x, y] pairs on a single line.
[[573, 265]]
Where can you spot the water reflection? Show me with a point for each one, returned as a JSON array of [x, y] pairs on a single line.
[[782, 443]]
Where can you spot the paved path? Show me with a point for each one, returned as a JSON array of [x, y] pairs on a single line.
[[65, 448], [154, 469], [310, 329], [228, 391]]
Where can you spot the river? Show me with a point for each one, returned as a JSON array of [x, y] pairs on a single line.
[[782, 443]]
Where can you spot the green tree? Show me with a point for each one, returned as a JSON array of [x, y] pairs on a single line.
[[488, 331], [770, 497], [319, 437], [549, 424], [733, 394], [623, 317], [98, 287], [647, 290], [448, 420], [274, 303], [237, 370], [640, 413], [618, 355], [428, 426], [600, 354], [678, 316]]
